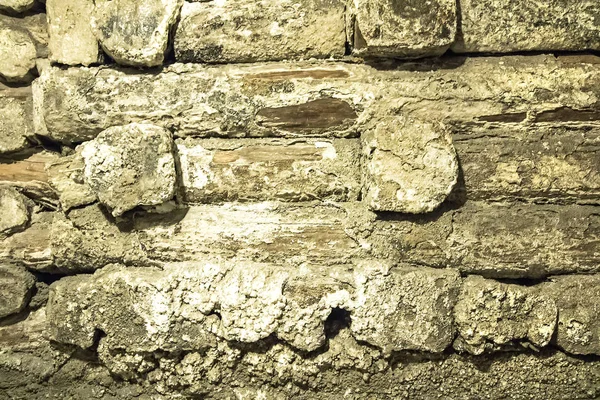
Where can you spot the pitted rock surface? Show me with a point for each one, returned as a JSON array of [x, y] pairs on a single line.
[[16, 286], [135, 33], [403, 28], [132, 165], [17, 54], [578, 326], [490, 315], [410, 166]]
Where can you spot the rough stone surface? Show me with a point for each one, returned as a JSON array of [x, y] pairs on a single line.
[[187, 306], [72, 40], [129, 166], [135, 33], [501, 240], [318, 99], [15, 119], [66, 175], [30, 367], [266, 30], [15, 210], [16, 6], [17, 53], [405, 309], [502, 26], [257, 170], [576, 297], [403, 28], [491, 315], [31, 247], [553, 163], [16, 286], [410, 166]]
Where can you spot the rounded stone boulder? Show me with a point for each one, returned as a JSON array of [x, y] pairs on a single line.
[[411, 166], [129, 166], [16, 210], [17, 54], [16, 285], [135, 33]]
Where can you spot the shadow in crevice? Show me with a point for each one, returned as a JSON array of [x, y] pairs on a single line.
[[337, 320]]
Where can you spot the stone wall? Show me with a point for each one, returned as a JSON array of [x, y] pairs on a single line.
[[320, 199]]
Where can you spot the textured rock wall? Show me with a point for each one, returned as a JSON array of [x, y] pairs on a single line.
[[319, 199]]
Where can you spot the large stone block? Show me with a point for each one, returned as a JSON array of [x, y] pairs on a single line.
[[501, 240], [17, 52], [549, 163], [187, 306], [576, 296], [503, 26], [266, 30], [72, 40], [403, 28], [410, 166], [405, 308], [319, 99], [16, 286], [491, 316], [132, 165], [253, 169], [194, 100], [135, 33]]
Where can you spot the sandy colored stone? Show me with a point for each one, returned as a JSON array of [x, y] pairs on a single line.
[[132, 165], [267, 30], [410, 166], [66, 175], [15, 210], [15, 119], [135, 33], [576, 297], [274, 169], [403, 28], [404, 308], [317, 99], [491, 315], [88, 239], [17, 54], [72, 41], [16, 6], [503, 26], [553, 162], [16, 286]]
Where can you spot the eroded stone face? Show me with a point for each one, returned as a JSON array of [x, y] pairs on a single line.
[[410, 166], [132, 165], [267, 30], [17, 54], [273, 169], [72, 40], [15, 289], [404, 308], [15, 210], [189, 305], [403, 28], [15, 119], [66, 175], [503, 26], [133, 32], [576, 297], [490, 315]]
